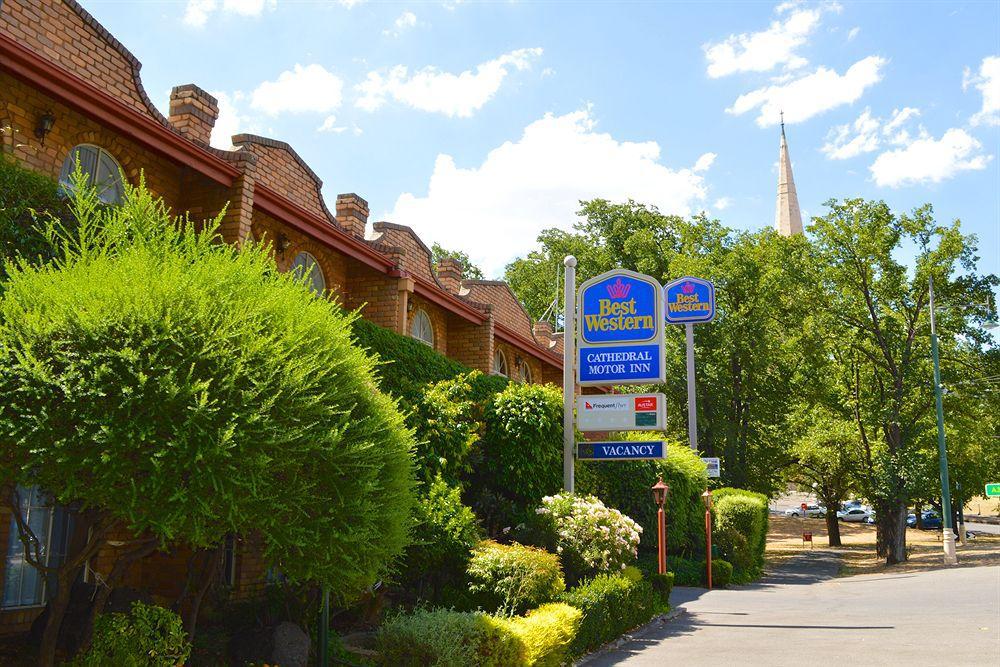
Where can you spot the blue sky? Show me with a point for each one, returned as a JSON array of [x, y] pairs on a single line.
[[479, 124]]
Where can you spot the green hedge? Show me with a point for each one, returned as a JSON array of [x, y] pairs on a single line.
[[625, 485], [446, 638], [740, 529], [146, 636], [612, 604], [407, 364], [27, 199], [511, 578], [663, 584], [688, 572]]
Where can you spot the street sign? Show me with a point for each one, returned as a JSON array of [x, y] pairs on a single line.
[[993, 490], [689, 300], [621, 412], [621, 451], [713, 465], [620, 330]]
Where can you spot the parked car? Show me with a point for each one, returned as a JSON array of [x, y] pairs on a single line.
[[851, 504], [854, 515], [812, 511], [930, 519]]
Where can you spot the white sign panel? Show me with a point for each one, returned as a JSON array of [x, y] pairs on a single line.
[[713, 465], [621, 412]]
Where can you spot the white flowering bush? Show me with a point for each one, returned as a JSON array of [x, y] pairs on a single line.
[[589, 537]]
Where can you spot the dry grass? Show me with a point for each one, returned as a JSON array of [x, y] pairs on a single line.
[[784, 540]]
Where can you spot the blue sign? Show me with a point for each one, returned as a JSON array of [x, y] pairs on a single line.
[[620, 364], [621, 451], [688, 300], [619, 308]]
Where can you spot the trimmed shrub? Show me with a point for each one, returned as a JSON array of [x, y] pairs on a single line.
[[663, 584], [27, 200], [589, 537], [625, 485], [547, 633], [693, 572], [521, 453], [444, 535], [612, 605], [406, 363], [445, 638], [443, 419], [740, 529], [510, 579], [147, 636]]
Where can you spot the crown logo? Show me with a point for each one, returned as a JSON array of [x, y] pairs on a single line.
[[687, 288], [619, 290]]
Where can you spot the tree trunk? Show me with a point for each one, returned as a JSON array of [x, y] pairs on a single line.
[[833, 526], [209, 571], [890, 540], [57, 610]]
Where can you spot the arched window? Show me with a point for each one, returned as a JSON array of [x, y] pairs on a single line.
[[305, 264], [524, 372], [500, 364], [101, 169], [421, 328]]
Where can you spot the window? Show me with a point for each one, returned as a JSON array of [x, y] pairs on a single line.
[[306, 265], [421, 328], [23, 585], [500, 364], [229, 561], [101, 169], [524, 372]]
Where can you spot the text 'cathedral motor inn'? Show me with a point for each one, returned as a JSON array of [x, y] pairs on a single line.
[[635, 361]]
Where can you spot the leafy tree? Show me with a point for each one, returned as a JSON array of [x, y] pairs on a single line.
[[471, 271], [180, 389], [878, 326], [826, 458], [27, 199]]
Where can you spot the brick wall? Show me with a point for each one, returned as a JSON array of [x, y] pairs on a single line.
[[506, 307], [377, 295], [471, 344], [416, 257], [333, 265], [280, 168]]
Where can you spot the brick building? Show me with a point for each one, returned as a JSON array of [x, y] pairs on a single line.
[[69, 90]]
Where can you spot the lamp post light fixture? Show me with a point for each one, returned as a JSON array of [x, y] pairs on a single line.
[[660, 491], [707, 499], [44, 126]]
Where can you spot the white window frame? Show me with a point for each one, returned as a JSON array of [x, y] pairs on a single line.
[[524, 372], [420, 324], [116, 176], [506, 366], [47, 549], [317, 281]]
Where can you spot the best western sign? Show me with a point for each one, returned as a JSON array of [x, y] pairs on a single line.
[[620, 337], [621, 451], [689, 300], [625, 412]]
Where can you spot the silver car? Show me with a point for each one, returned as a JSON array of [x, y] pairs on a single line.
[[854, 515], [812, 511]]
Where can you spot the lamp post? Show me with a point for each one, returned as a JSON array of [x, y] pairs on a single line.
[[948, 534], [660, 491], [707, 498]]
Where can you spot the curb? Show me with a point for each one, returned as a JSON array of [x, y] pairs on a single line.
[[629, 636]]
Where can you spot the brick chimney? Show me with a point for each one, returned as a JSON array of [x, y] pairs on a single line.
[[193, 112], [543, 331], [450, 272], [352, 214]]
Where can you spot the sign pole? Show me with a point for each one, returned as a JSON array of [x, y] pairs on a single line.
[[569, 375], [692, 407]]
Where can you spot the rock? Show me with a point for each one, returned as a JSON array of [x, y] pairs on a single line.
[[290, 646]]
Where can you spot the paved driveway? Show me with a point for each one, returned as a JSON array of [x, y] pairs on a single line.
[[802, 615]]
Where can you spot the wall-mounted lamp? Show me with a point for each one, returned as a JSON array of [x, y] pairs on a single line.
[[44, 126], [282, 243]]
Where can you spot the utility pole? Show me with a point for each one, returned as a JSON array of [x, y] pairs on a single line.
[[948, 534], [569, 377]]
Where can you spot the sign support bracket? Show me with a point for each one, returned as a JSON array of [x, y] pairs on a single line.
[[692, 398]]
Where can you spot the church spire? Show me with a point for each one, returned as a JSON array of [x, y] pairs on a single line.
[[787, 218]]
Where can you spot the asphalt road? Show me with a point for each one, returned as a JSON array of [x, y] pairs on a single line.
[[802, 615]]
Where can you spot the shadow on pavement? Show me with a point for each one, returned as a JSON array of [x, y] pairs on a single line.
[[807, 568]]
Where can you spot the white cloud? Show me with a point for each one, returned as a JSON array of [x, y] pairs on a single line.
[[853, 33], [810, 95], [763, 51], [868, 133], [722, 203], [330, 125], [309, 88], [403, 22], [230, 120], [196, 12], [986, 82], [929, 160], [497, 209], [430, 89], [704, 162], [351, 4]]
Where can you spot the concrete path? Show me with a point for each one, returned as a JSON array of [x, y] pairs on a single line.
[[803, 615]]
